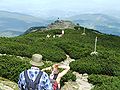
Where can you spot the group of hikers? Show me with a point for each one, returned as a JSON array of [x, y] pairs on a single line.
[[36, 79]]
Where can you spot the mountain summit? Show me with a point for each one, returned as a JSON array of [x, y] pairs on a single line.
[[61, 24], [58, 24]]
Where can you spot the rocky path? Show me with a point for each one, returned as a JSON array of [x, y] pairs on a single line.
[[81, 80]]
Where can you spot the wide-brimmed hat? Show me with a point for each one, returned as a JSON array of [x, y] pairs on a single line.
[[36, 60]]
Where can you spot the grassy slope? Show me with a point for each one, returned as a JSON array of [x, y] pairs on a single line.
[[74, 44]]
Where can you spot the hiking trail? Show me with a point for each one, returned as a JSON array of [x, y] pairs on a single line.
[[81, 82]]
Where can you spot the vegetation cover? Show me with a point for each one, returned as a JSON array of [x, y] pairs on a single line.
[[73, 43], [103, 82]]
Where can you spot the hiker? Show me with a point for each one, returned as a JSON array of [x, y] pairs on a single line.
[[56, 76], [34, 78]]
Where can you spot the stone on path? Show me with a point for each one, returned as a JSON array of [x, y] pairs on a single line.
[[70, 86]]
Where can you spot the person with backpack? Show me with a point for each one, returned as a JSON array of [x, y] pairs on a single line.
[[34, 78], [55, 75]]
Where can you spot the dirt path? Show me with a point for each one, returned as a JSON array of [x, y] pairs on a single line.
[[81, 80]]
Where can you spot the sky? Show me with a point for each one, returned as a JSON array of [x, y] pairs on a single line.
[[60, 7]]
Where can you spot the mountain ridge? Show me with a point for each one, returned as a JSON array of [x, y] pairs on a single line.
[[21, 22], [102, 22], [18, 22]]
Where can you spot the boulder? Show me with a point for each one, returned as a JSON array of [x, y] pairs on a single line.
[[7, 85]]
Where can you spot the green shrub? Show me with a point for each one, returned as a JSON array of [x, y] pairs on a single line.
[[67, 77], [96, 65], [103, 82], [11, 67], [75, 50]]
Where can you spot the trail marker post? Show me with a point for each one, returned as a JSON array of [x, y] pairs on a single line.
[[95, 51], [84, 32]]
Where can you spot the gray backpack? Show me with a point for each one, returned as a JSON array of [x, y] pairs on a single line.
[[30, 85]]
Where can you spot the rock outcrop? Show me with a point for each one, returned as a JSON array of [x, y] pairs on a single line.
[[81, 83], [7, 85], [61, 24], [58, 24], [70, 86]]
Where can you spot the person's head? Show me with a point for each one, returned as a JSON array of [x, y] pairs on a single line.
[[55, 69], [36, 60]]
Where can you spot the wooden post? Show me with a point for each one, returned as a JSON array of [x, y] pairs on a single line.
[[95, 44], [95, 50], [84, 32]]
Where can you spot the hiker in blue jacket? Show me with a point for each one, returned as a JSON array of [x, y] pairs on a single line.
[[34, 78]]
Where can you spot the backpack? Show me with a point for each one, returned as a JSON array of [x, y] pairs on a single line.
[[55, 86], [30, 85], [54, 82]]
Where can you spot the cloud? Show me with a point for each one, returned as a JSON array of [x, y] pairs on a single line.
[[36, 6]]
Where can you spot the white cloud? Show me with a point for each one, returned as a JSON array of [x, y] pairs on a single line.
[[35, 6]]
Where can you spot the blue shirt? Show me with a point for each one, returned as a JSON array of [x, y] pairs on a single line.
[[32, 74]]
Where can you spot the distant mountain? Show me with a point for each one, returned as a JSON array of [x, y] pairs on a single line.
[[103, 23], [12, 21], [33, 29], [10, 33]]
